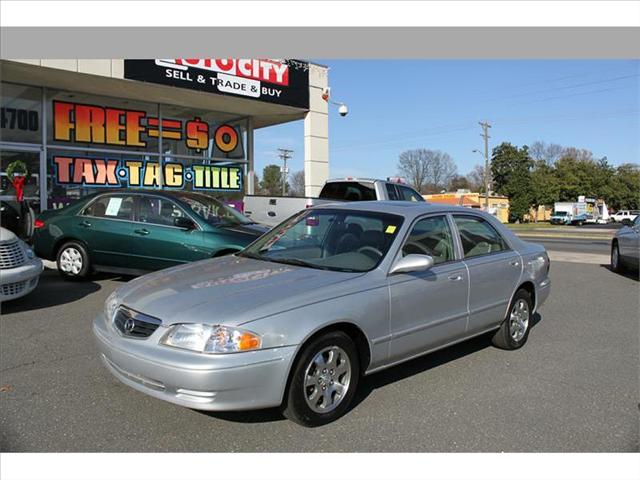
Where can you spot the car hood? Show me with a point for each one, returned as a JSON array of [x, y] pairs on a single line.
[[7, 236], [230, 290], [253, 229]]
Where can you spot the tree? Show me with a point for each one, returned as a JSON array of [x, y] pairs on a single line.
[[547, 152], [412, 164], [578, 154], [544, 183], [440, 169], [271, 183], [625, 187], [297, 184], [427, 170], [458, 182], [476, 179], [510, 167]]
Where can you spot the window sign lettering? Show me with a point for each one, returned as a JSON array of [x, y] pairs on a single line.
[[104, 172], [98, 125]]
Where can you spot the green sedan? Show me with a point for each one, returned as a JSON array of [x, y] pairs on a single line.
[[134, 232]]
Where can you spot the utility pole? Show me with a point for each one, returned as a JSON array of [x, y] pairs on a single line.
[[284, 155], [485, 134]]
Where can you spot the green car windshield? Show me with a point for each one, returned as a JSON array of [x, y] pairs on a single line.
[[328, 239], [213, 211]]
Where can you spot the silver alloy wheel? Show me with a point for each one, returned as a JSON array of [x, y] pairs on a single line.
[[327, 379], [519, 320], [615, 257], [71, 261]]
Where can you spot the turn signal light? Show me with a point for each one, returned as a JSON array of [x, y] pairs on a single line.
[[248, 341], [38, 224]]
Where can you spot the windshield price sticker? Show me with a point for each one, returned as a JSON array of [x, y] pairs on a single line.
[[100, 172], [391, 229]]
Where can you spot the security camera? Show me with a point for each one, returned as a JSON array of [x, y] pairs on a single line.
[[343, 110]]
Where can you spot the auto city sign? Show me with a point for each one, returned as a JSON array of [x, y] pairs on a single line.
[[284, 82]]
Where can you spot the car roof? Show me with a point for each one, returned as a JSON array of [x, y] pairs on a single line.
[[147, 191], [404, 208]]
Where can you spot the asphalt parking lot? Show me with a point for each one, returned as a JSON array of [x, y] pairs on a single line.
[[573, 387]]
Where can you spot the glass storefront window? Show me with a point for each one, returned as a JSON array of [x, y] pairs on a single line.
[[83, 120], [74, 174], [31, 190], [20, 113], [203, 175], [205, 134], [97, 142]]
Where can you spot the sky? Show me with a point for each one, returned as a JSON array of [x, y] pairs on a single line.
[[397, 105]]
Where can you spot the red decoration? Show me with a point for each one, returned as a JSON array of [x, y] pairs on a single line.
[[18, 182]]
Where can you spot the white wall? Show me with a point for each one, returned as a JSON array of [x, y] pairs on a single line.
[[316, 133]]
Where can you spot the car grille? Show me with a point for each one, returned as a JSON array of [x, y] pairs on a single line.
[[11, 255], [13, 288], [135, 324]]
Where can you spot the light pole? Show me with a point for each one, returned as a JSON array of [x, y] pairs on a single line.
[[485, 134], [285, 155], [484, 178]]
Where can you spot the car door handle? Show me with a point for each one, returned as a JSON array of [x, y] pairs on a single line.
[[455, 278], [514, 263], [142, 231], [85, 223]]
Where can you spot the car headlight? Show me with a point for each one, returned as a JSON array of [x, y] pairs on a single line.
[[210, 338], [28, 251], [110, 305]]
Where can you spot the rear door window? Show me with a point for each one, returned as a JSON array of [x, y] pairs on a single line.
[[409, 194], [392, 192], [478, 237], [348, 191], [111, 206]]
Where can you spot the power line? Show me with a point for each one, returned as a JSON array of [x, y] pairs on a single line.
[[505, 121]]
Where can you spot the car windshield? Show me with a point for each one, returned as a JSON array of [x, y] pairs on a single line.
[[213, 211], [329, 239], [560, 214]]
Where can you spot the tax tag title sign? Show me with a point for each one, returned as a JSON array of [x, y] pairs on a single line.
[[113, 173]]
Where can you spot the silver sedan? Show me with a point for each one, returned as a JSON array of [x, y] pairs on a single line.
[[334, 293], [625, 247]]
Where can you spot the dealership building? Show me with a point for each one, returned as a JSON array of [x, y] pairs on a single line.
[[78, 125]]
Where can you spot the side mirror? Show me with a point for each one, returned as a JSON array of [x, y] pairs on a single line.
[[184, 222], [412, 263]]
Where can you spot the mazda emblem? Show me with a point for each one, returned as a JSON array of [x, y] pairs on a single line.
[[129, 325]]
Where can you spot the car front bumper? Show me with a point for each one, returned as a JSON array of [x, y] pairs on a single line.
[[19, 281], [219, 382]]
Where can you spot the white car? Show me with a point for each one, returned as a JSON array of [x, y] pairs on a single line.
[[622, 215], [19, 267]]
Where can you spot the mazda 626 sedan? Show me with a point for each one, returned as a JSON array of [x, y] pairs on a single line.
[[333, 293]]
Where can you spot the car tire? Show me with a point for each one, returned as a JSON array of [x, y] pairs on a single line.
[[310, 378], [73, 261], [616, 261], [514, 331]]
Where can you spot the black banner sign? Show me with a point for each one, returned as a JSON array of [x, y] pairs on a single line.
[[283, 82]]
